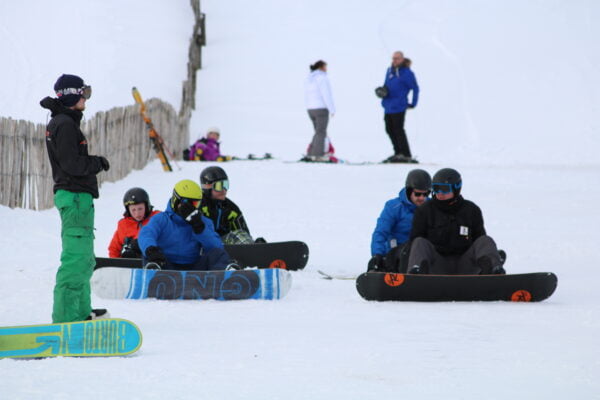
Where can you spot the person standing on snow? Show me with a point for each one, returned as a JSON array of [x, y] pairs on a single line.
[[180, 238], [399, 82], [138, 212], [448, 236], [319, 103], [390, 240], [75, 186]]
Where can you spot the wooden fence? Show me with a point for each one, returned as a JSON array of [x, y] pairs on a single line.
[[118, 134]]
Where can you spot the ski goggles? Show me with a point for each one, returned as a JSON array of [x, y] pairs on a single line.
[[445, 188], [195, 203], [85, 91], [219, 186], [422, 194]]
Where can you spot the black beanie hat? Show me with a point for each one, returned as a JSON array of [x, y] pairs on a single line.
[[68, 97]]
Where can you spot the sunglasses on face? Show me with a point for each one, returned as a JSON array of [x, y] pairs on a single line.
[[421, 194], [219, 186], [445, 188]]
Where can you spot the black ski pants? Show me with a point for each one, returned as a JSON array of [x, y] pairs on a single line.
[[394, 126], [465, 264]]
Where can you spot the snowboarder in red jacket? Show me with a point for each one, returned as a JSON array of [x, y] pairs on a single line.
[[138, 212]]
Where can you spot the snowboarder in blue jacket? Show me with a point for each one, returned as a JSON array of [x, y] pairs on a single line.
[[389, 243], [399, 82], [181, 238]]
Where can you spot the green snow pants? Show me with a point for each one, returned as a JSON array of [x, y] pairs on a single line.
[[72, 291]]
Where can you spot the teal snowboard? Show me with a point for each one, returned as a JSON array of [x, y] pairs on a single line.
[[96, 338]]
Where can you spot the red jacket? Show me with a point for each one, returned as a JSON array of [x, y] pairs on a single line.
[[127, 227]]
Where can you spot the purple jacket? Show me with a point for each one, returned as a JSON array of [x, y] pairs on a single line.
[[205, 149]]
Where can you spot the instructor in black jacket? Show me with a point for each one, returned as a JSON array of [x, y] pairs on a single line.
[[75, 188], [448, 236]]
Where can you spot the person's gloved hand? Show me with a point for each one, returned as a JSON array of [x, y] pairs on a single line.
[[192, 216], [376, 263], [104, 163], [154, 255], [130, 249], [410, 106]]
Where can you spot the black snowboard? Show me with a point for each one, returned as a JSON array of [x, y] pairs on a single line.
[[291, 255], [401, 287], [285, 255]]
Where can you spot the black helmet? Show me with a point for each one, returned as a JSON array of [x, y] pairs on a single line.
[[449, 178], [418, 179], [136, 195], [212, 174]]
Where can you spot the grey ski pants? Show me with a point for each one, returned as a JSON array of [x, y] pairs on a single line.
[[465, 264], [320, 119]]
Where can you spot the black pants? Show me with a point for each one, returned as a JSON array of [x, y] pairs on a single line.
[[465, 264], [394, 126]]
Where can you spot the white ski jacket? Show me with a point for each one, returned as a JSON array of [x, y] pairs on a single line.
[[317, 92]]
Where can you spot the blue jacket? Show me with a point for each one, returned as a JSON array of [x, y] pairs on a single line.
[[176, 239], [399, 82], [395, 222]]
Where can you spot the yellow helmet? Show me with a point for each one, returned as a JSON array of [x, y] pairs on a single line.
[[186, 189]]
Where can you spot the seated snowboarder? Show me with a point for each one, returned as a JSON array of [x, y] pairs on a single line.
[[138, 212], [390, 241], [180, 238], [207, 148], [448, 236], [226, 216]]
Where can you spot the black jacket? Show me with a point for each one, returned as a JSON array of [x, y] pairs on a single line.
[[451, 228], [72, 168], [225, 214]]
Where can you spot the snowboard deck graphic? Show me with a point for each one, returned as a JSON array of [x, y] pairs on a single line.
[[292, 255], [137, 283], [382, 286], [96, 338]]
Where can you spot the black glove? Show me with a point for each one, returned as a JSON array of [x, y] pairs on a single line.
[[131, 249], [410, 106], [104, 163], [376, 263], [192, 216], [154, 255]]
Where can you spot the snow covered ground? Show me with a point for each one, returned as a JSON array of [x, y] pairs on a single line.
[[508, 98]]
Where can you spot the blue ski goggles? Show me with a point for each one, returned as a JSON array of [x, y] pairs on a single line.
[[219, 186], [445, 188]]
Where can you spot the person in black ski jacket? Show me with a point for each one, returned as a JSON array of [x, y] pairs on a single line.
[[448, 234], [75, 186], [227, 217]]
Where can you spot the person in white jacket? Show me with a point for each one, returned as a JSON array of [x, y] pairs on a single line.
[[319, 103]]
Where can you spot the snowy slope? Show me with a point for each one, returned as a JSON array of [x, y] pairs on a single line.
[[323, 341]]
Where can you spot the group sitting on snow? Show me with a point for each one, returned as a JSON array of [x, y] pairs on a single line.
[[444, 235], [206, 209]]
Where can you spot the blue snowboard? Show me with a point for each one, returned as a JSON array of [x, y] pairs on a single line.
[[97, 338], [138, 283]]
